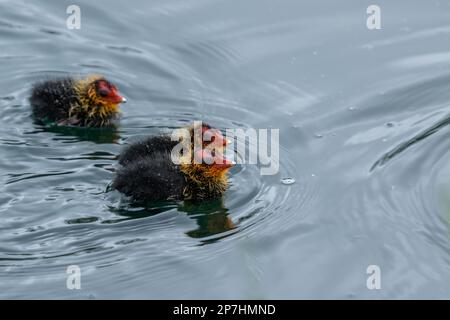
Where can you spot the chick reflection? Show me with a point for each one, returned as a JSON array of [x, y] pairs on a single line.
[[211, 217], [97, 135]]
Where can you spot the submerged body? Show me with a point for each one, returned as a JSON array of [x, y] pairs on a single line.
[[148, 173], [90, 102]]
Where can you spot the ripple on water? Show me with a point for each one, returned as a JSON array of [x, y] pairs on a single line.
[[400, 202]]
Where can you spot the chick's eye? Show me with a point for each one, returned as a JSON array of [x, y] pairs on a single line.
[[103, 92]]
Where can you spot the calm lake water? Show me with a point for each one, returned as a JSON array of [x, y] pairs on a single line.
[[363, 118]]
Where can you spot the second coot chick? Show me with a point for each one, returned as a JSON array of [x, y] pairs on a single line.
[[148, 173]]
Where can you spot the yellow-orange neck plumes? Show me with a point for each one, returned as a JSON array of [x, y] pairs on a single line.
[[204, 180], [92, 109]]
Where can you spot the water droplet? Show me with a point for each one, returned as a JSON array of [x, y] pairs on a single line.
[[318, 135], [287, 181]]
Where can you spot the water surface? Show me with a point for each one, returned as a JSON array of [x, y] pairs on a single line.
[[364, 171]]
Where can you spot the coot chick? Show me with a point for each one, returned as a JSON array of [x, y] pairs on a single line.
[[148, 172], [89, 102]]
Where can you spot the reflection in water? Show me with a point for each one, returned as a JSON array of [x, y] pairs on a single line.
[[97, 135], [132, 211], [212, 218]]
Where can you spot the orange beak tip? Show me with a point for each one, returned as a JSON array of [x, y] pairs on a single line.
[[229, 163]]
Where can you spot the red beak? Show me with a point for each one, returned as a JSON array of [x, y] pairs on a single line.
[[119, 99], [218, 161], [223, 163]]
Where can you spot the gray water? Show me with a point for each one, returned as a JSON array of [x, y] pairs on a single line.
[[363, 118]]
